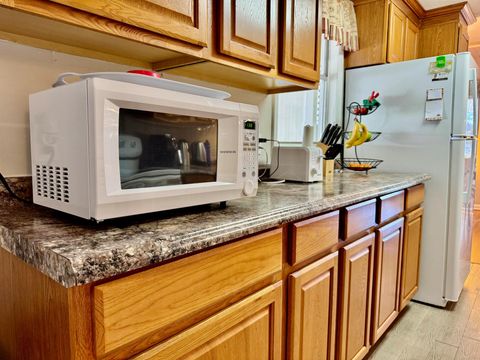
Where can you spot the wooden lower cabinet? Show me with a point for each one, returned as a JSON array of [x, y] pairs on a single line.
[[411, 256], [388, 261], [249, 329], [312, 310], [355, 291]]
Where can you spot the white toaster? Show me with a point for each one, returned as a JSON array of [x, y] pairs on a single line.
[[297, 163]]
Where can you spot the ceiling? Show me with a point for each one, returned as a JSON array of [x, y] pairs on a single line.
[[432, 4]]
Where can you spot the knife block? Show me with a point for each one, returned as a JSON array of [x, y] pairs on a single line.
[[328, 170]]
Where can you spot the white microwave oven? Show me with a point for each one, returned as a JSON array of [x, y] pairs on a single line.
[[103, 149]]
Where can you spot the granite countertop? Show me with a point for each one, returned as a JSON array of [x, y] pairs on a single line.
[[74, 252]]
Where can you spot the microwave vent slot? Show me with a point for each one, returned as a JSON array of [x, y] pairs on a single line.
[[52, 182]]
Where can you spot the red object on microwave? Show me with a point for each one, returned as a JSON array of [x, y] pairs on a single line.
[[145, 72]]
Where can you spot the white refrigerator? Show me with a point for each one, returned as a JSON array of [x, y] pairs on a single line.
[[444, 148]]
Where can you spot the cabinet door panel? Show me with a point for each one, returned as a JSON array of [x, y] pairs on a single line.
[[249, 329], [439, 39], [312, 310], [248, 30], [387, 272], [411, 256], [356, 298], [185, 20], [396, 34], [301, 39], [411, 41]]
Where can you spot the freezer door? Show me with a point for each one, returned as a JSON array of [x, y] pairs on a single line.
[[459, 241]]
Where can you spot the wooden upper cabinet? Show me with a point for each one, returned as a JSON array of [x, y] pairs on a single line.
[[396, 34], [388, 262], [249, 329], [411, 40], [312, 310], [439, 39], [355, 291], [185, 20], [302, 28], [248, 30]]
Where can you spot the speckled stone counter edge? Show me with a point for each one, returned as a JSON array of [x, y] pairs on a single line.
[[68, 274]]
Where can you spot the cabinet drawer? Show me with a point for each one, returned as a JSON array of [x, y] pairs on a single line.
[[357, 218], [149, 306], [249, 329], [313, 236], [414, 196], [390, 205]]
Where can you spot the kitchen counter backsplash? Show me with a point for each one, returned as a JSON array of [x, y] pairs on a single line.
[[74, 251]]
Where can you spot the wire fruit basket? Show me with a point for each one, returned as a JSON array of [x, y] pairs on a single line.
[[375, 134], [359, 164]]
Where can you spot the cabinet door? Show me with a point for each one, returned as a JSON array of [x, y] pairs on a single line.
[[438, 39], [396, 34], [301, 38], [185, 20], [248, 30], [411, 41], [387, 277], [312, 310], [249, 329], [355, 298], [411, 256]]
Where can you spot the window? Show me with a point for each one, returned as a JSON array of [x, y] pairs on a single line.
[[294, 110]]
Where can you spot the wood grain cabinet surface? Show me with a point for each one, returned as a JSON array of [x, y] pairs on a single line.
[[248, 30], [388, 262], [414, 196], [356, 219], [249, 329], [411, 256], [396, 34], [184, 20], [313, 236], [355, 290], [312, 310], [412, 33], [302, 29], [389, 206], [141, 309]]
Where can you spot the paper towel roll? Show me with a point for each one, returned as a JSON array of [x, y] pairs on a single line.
[[308, 135]]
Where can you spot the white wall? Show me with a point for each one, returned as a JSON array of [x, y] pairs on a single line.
[[25, 70]]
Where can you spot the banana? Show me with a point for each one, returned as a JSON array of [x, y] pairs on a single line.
[[363, 137], [354, 135]]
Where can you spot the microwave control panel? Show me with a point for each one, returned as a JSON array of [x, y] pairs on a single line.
[[250, 161]]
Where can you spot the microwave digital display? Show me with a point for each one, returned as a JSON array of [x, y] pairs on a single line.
[[249, 125], [161, 149]]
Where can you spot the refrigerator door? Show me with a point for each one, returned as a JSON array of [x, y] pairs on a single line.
[[409, 143], [460, 222]]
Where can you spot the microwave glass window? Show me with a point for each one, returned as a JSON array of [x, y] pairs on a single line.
[[161, 149]]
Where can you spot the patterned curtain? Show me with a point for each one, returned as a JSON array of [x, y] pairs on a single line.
[[340, 23]]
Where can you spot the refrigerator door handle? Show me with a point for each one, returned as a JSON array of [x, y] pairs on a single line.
[[474, 94], [457, 137]]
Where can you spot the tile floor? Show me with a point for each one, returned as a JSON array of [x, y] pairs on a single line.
[[427, 333]]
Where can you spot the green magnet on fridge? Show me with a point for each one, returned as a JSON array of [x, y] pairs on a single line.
[[441, 62]]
